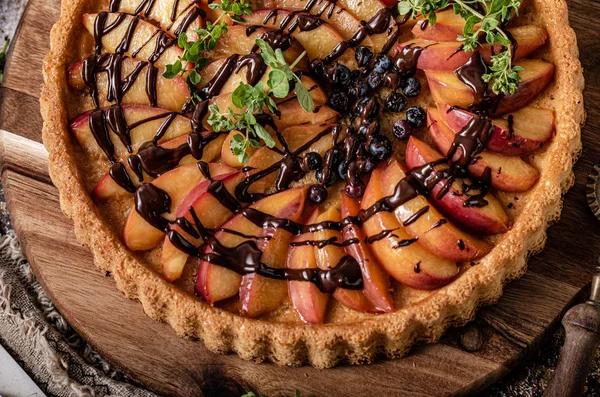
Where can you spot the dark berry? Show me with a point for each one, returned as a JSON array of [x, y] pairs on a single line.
[[367, 105], [355, 191], [313, 161], [369, 165], [317, 194], [402, 130], [317, 67], [380, 148], [395, 102], [363, 56], [341, 169], [374, 80], [412, 87], [342, 75], [415, 116], [359, 89], [338, 101], [369, 129], [383, 63]]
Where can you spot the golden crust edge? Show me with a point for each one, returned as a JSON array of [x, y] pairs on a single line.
[[321, 346]]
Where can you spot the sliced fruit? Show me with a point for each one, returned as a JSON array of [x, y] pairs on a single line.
[[257, 294], [446, 88], [318, 39], [134, 37], [139, 235], [438, 235], [447, 55], [488, 219], [510, 174], [290, 111], [526, 131], [241, 39], [295, 137], [448, 26], [171, 94], [308, 300], [171, 20], [107, 188], [403, 257], [209, 211], [227, 155], [344, 22], [330, 255], [376, 280], [146, 121]]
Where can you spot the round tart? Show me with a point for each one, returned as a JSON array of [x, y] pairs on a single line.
[[306, 181]]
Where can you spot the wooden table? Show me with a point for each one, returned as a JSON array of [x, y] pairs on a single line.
[[466, 360]]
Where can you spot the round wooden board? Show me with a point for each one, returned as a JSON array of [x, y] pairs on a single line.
[[465, 361]]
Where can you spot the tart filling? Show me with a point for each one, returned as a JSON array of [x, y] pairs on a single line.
[[308, 161]]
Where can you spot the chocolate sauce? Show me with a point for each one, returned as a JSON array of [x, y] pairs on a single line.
[[471, 74], [407, 58], [414, 217]]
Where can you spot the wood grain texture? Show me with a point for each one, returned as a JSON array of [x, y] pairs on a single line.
[[466, 360]]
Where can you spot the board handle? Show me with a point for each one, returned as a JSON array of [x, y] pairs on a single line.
[[582, 336]]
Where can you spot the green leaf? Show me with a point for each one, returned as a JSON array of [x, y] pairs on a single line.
[[304, 97], [264, 135], [193, 77], [182, 40], [297, 393], [238, 97], [266, 52], [214, 6], [278, 83], [404, 7]]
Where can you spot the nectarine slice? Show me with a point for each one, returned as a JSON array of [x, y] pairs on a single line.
[[446, 88], [402, 256], [487, 219], [510, 174], [526, 131], [438, 235], [308, 300]]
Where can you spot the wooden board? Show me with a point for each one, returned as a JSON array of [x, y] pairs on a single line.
[[466, 360]]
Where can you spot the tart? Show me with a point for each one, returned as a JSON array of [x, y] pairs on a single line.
[[311, 181]]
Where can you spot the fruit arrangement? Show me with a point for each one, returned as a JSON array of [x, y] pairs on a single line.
[[301, 152]]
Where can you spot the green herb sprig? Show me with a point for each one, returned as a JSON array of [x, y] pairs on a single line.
[[207, 40], [490, 15], [250, 100]]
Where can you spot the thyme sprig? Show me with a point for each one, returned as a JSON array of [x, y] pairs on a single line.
[[207, 40], [491, 16], [250, 100]]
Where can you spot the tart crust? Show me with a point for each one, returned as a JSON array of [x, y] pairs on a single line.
[[323, 345]]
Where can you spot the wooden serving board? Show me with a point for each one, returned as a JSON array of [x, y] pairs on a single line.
[[465, 361]]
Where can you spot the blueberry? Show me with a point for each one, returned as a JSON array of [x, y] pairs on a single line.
[[412, 87], [359, 89], [338, 101], [363, 56], [364, 103], [341, 169], [369, 165], [355, 191], [395, 102], [317, 67], [383, 63], [369, 129], [342, 75], [313, 161], [317, 194], [415, 116], [402, 129], [380, 148], [374, 80]]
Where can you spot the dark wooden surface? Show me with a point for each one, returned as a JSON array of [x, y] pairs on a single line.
[[466, 360]]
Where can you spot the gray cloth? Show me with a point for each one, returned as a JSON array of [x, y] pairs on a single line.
[[43, 343]]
